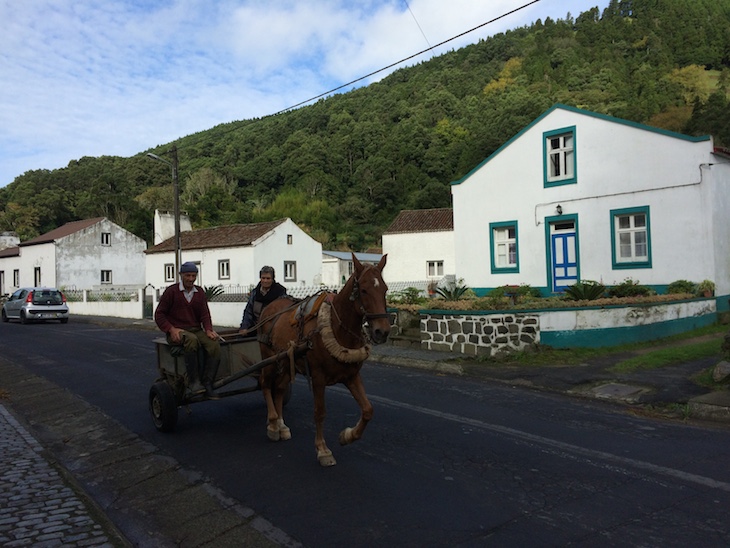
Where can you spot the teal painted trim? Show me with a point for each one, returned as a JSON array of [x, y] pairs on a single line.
[[508, 269], [614, 213], [596, 338], [546, 183], [586, 113]]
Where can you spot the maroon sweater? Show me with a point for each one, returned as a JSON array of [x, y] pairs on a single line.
[[174, 310]]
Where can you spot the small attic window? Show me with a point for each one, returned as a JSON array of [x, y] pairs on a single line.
[[289, 239], [106, 238]]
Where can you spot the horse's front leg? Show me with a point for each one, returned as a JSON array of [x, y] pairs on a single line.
[[324, 455], [357, 389]]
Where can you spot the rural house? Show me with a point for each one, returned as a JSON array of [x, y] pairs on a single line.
[[88, 254], [578, 195], [420, 247], [233, 255], [337, 266]]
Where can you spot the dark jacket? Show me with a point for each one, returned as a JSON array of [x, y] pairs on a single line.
[[257, 302]]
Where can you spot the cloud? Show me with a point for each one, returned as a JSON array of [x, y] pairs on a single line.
[[89, 78]]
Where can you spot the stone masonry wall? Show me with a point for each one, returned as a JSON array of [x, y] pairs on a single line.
[[479, 335]]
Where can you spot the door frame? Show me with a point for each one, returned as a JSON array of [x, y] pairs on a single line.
[[549, 223]]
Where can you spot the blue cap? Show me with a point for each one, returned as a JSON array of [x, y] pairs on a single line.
[[188, 267]]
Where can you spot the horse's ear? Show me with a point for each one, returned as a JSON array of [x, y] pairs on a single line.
[[381, 264], [356, 263]]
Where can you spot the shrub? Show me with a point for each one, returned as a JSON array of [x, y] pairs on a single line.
[[681, 286], [629, 288], [410, 295], [586, 290], [453, 291], [706, 287], [213, 291]]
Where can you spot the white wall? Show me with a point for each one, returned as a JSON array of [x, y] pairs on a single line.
[[409, 254], [618, 166]]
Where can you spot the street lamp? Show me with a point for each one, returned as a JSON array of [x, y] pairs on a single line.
[[176, 211]]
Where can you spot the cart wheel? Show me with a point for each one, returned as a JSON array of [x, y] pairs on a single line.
[[163, 407], [287, 396]]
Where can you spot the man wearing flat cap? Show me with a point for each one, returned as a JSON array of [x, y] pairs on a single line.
[[183, 314]]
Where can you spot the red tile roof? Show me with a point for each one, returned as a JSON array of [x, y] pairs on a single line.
[[221, 236], [422, 220], [62, 231]]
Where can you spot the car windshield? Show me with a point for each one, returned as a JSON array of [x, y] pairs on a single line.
[[47, 296]]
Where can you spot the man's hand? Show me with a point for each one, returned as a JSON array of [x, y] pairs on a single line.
[[243, 331], [212, 335], [175, 335]]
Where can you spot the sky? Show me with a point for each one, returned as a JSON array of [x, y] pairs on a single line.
[[115, 78]]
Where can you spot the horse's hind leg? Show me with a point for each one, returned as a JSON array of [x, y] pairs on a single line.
[[273, 396], [349, 435], [324, 455]]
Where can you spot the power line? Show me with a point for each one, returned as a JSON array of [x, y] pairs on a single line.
[[397, 62], [417, 23], [406, 58]]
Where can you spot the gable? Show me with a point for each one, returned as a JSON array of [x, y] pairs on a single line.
[[595, 115], [62, 231]]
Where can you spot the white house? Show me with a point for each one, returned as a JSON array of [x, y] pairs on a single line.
[[420, 246], [337, 266], [577, 195], [233, 255], [88, 254]]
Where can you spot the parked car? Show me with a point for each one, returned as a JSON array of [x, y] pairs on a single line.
[[29, 304]]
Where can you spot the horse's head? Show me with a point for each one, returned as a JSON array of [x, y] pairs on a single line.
[[368, 293]]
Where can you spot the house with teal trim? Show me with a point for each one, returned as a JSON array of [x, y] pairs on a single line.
[[578, 195]]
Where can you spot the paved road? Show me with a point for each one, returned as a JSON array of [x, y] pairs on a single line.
[[446, 461]]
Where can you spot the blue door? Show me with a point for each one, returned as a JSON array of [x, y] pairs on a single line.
[[564, 256]]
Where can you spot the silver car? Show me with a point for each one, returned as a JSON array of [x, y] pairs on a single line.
[[30, 304]]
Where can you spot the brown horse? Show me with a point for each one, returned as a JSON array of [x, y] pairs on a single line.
[[326, 341]]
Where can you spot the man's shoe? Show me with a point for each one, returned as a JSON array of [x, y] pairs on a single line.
[[210, 394]]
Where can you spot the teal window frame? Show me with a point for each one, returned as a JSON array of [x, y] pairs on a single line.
[[512, 269], [546, 136], [624, 265]]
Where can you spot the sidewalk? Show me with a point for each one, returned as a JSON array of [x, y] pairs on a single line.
[[44, 482]]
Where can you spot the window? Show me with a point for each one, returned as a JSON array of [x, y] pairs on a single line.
[[16, 278], [106, 238], [435, 269], [631, 238], [290, 271], [106, 276], [169, 272], [560, 157], [289, 239], [503, 242], [37, 276], [224, 269]]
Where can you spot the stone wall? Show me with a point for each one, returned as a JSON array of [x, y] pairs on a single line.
[[478, 335]]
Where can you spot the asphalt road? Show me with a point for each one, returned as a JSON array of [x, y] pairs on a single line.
[[445, 461]]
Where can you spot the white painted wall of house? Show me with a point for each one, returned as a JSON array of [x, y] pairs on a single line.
[[246, 262], [409, 254], [618, 166], [81, 257]]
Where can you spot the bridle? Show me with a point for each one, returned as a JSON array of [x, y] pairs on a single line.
[[355, 296]]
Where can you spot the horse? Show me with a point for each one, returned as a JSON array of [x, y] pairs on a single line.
[[324, 338]]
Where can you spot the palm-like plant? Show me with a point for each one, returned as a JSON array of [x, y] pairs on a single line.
[[452, 291], [586, 290], [213, 291]]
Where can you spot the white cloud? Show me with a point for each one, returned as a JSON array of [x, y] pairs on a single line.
[[88, 78]]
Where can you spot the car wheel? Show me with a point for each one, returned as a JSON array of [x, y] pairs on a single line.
[[5, 316], [163, 407], [23, 317]]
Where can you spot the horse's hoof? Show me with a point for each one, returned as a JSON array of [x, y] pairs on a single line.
[[274, 435], [326, 459], [284, 433], [346, 436]]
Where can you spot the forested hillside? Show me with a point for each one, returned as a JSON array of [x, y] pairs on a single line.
[[344, 167]]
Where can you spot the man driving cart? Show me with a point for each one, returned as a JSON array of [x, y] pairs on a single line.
[[184, 316]]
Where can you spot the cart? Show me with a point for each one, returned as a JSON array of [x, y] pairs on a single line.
[[240, 361]]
